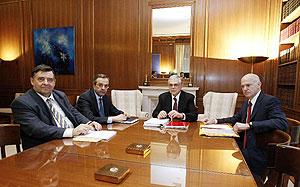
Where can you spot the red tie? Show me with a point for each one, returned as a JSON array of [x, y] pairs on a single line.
[[175, 106], [248, 121]]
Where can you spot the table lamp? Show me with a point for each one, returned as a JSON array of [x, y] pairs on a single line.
[[253, 60]]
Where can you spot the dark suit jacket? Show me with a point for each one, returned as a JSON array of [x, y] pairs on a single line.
[[35, 118], [186, 105], [88, 106], [266, 116]]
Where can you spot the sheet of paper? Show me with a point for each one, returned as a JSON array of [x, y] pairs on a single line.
[[155, 122], [96, 136], [216, 126]]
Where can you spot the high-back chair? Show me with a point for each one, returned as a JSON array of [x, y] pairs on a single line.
[[9, 135], [287, 162], [269, 141], [294, 131], [218, 105], [129, 101]]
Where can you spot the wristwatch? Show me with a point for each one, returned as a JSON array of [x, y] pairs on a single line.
[[250, 125]]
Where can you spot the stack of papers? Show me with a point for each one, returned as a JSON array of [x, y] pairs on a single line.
[[155, 122], [95, 136], [224, 130]]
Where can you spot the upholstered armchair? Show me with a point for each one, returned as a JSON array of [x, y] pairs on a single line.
[[129, 101], [218, 105]]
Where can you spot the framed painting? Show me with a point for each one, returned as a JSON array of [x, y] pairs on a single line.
[[55, 47]]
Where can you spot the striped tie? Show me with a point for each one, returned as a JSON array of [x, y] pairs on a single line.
[[60, 119]]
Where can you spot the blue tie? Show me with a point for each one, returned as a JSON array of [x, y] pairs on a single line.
[[101, 107]]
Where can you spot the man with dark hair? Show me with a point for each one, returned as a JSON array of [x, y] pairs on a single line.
[[45, 114], [176, 103], [260, 113], [96, 105]]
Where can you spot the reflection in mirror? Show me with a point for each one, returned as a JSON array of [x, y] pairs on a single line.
[[171, 38]]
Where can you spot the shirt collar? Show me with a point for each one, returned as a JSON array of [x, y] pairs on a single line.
[[45, 98], [177, 96], [97, 96], [253, 100]]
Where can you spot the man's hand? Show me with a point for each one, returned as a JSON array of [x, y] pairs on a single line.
[[238, 127], [96, 126], [119, 118], [209, 121], [175, 114], [162, 114], [82, 129]]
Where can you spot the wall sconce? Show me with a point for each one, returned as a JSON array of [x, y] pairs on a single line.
[[252, 60]]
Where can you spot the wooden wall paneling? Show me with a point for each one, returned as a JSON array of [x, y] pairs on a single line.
[[218, 78], [61, 13], [11, 72], [144, 54], [27, 56], [116, 41], [10, 44], [199, 36], [238, 28], [86, 44], [197, 64]]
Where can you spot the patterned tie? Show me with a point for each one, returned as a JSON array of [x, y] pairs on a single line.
[[175, 106], [101, 107], [58, 116], [248, 121]]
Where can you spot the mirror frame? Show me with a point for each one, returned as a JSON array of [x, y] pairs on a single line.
[[155, 4]]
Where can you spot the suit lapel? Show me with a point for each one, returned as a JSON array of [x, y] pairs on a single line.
[[169, 102], [94, 101], [105, 103], [42, 105], [257, 104], [181, 101]]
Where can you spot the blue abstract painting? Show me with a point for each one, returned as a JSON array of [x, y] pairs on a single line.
[[55, 47]]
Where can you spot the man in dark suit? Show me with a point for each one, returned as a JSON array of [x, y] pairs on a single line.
[[176, 103], [96, 105], [260, 113], [45, 114]]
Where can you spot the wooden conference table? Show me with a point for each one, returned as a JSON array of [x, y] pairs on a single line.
[[176, 159]]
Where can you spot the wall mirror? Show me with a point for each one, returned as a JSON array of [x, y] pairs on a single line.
[[171, 41]]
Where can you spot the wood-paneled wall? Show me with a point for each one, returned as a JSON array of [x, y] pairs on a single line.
[[114, 37]]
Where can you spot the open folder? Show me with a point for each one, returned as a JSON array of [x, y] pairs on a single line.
[[95, 136], [224, 130]]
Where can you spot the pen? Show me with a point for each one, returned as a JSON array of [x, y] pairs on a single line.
[[89, 123]]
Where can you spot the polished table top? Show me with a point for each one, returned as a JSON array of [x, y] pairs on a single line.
[[176, 158]]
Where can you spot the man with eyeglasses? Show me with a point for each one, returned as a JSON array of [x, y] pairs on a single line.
[[45, 114], [96, 105], [176, 104]]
